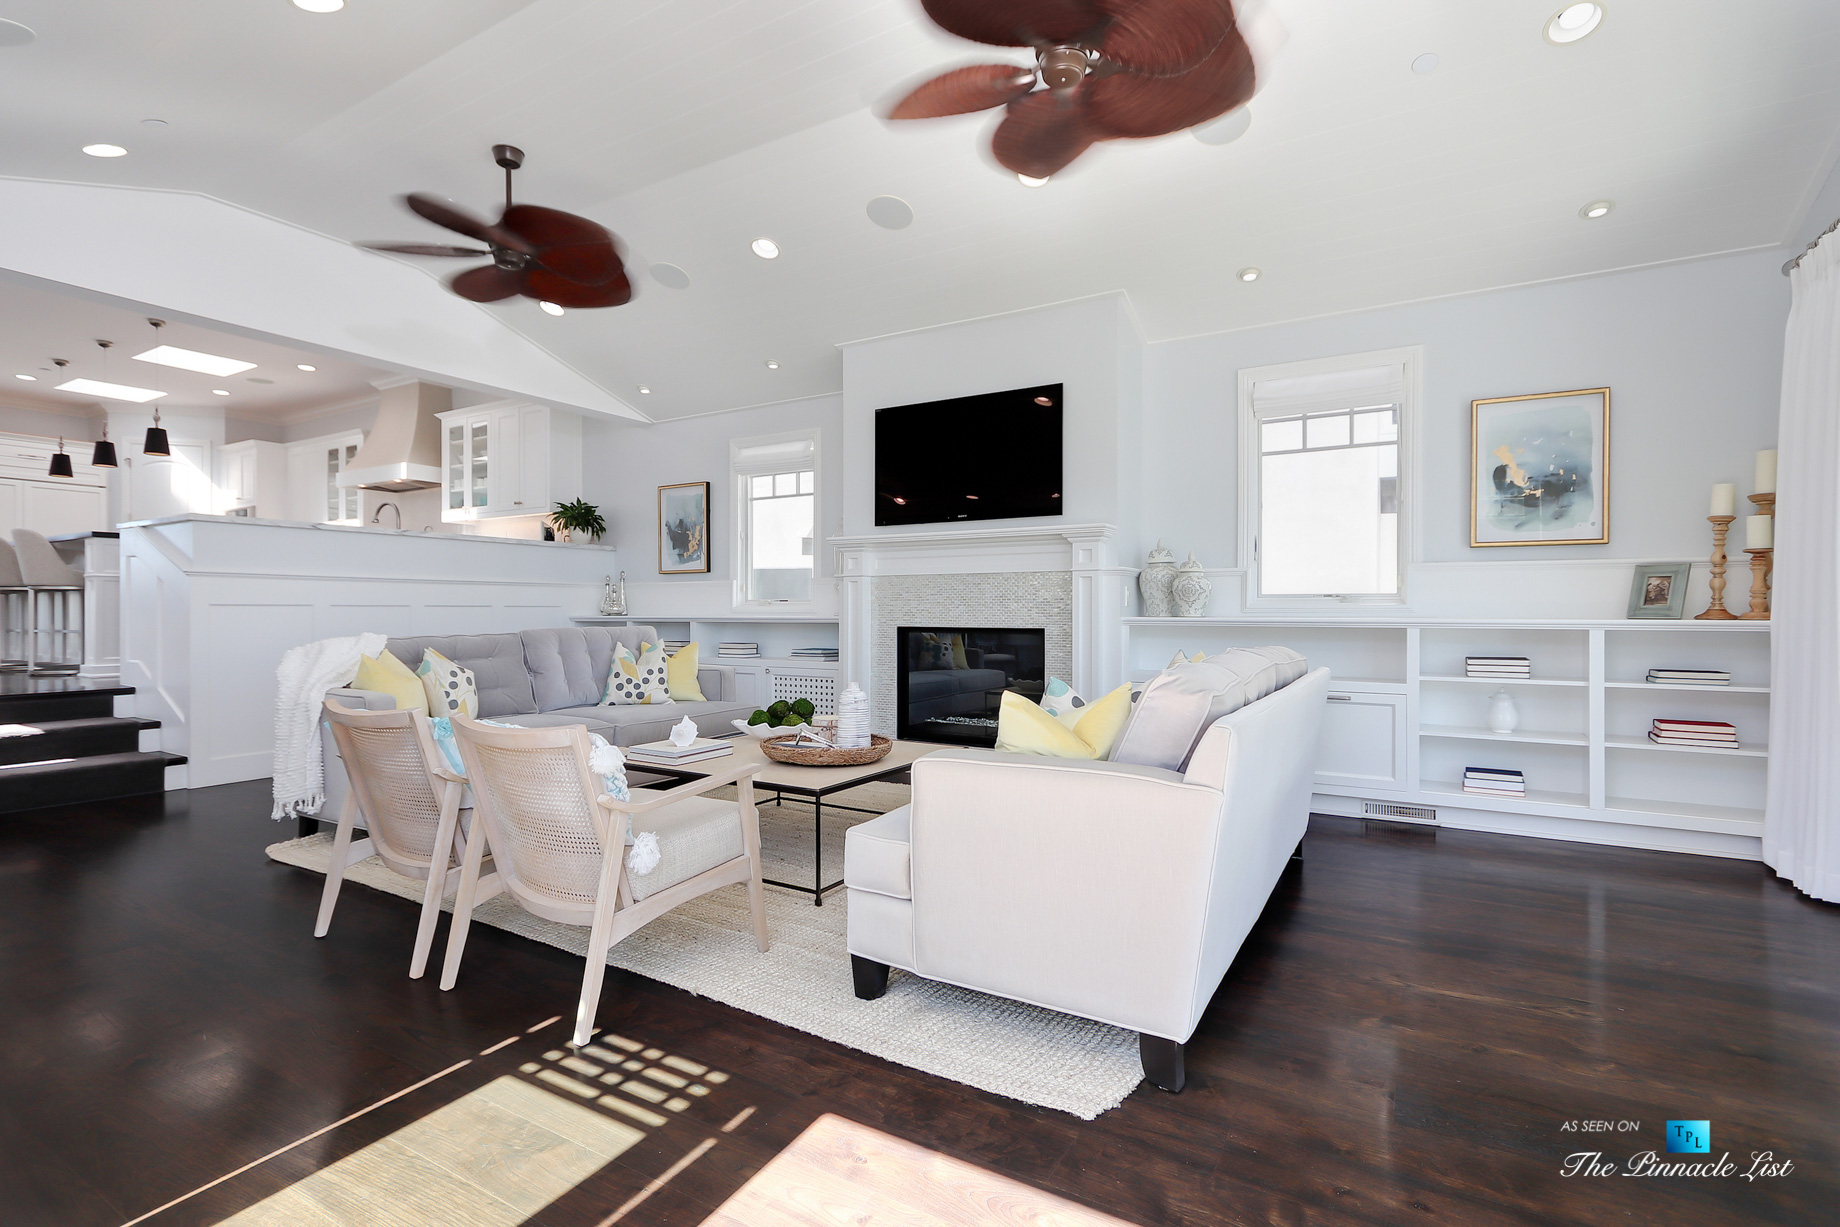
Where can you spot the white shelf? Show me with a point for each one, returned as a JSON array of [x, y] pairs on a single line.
[[1643, 743], [1529, 737], [1722, 818], [1504, 681], [1535, 801], [1661, 686]]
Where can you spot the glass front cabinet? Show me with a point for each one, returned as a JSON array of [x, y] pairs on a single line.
[[508, 460]]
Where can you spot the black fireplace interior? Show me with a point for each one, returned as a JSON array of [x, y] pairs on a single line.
[[949, 680]]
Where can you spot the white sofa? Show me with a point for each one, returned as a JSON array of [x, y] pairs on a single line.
[[1114, 892]]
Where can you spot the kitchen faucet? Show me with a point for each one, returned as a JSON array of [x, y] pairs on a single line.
[[378, 517]]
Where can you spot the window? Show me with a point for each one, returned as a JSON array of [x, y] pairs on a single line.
[[341, 505], [777, 500], [1321, 468]]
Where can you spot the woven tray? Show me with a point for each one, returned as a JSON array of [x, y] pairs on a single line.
[[780, 750]]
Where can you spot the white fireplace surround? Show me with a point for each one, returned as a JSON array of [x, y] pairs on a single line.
[[1099, 591]]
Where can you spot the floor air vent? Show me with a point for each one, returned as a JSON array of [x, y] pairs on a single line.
[[1383, 809]]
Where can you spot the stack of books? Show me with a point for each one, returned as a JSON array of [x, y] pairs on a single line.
[[1494, 781], [1714, 733], [665, 754], [737, 649], [673, 646], [814, 653], [1498, 666], [1690, 677]]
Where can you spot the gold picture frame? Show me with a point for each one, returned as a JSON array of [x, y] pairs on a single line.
[[1540, 469], [683, 528]]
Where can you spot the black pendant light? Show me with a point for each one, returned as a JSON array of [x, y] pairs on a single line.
[[60, 463], [156, 444], [104, 455]]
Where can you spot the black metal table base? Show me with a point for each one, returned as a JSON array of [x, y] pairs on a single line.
[[819, 887]]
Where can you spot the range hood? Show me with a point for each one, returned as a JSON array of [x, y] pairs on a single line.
[[402, 452]]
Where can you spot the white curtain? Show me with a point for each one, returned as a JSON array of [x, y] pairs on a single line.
[[1801, 826]]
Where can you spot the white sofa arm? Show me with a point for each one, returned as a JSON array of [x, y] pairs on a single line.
[[1080, 886]]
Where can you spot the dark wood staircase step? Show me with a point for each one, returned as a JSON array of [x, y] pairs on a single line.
[[99, 777], [78, 738]]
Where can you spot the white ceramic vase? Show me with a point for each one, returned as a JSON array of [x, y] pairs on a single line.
[[1504, 716], [1156, 581], [852, 718], [1191, 590]]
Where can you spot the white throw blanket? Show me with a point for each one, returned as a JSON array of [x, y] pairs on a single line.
[[305, 674]]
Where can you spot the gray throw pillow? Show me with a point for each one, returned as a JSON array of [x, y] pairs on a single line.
[[1179, 705]]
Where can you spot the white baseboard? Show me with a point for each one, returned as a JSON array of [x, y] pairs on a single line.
[[1567, 830]]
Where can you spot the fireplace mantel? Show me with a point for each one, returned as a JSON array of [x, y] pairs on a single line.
[[1083, 552]]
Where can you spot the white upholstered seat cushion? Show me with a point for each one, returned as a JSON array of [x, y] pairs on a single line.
[[876, 856], [694, 835]]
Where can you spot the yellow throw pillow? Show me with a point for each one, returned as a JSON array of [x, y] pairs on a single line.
[[1102, 722], [1025, 728], [387, 675], [680, 675], [959, 660]]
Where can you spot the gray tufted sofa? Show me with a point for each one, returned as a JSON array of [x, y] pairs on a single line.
[[543, 678]]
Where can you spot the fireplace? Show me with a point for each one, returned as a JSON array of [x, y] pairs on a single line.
[[949, 680]]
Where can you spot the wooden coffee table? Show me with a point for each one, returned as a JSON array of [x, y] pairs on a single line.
[[812, 783]]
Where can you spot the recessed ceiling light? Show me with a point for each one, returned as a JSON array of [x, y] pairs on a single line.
[[12, 34], [644, 391], [153, 123], [1425, 63], [1573, 22], [1249, 274], [111, 391], [192, 360], [772, 365], [1224, 130], [27, 378], [1596, 209], [1031, 181], [305, 366], [220, 392], [550, 308], [670, 276], [105, 151], [890, 213], [766, 249], [259, 379], [320, 6]]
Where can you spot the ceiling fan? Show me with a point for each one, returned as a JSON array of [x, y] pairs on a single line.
[[1108, 68], [540, 253]]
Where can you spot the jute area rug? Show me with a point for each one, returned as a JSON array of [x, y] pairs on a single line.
[[705, 947]]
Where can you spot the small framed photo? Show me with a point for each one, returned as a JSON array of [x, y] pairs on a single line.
[[1659, 590], [683, 528], [1540, 469]]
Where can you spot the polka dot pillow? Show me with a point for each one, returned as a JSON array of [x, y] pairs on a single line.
[[450, 688], [637, 679]]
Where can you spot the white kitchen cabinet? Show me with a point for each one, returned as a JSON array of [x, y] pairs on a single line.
[[252, 479], [508, 459], [31, 498]]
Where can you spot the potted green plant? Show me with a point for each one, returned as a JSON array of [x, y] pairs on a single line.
[[580, 517]]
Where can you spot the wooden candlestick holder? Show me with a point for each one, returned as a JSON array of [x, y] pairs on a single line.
[[1760, 586], [1717, 611], [1766, 506]]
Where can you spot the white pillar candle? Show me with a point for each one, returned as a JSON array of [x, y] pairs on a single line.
[[1724, 499], [1757, 532], [1766, 472]]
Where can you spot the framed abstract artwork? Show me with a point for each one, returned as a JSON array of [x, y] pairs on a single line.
[[683, 528], [1540, 469]]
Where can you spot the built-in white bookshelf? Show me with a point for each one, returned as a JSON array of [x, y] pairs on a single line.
[[1404, 721]]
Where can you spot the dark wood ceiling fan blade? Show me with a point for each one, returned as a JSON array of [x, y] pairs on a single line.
[[441, 213], [488, 283], [1161, 38], [426, 249], [964, 90], [543, 284], [1126, 104], [573, 247], [1043, 133], [1015, 23]]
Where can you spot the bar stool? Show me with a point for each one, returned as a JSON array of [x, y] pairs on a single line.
[[15, 610], [56, 598]]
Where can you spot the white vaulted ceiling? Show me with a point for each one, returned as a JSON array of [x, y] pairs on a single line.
[[691, 127]]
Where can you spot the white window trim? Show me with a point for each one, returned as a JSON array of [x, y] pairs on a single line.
[[738, 521], [1412, 359]]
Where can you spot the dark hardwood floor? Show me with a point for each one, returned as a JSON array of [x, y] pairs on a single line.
[[1402, 1041]]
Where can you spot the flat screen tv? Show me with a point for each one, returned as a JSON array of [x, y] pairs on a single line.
[[995, 456]]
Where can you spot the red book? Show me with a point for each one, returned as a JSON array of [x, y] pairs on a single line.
[[1697, 726]]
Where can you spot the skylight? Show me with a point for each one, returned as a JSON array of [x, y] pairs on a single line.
[[192, 360], [110, 391]]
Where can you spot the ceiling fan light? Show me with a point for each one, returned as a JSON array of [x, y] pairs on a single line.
[[1573, 22], [1031, 181], [60, 462], [550, 308]]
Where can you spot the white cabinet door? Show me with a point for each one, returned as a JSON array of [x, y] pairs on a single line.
[[1363, 741], [53, 509], [751, 685], [504, 495], [534, 491]]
